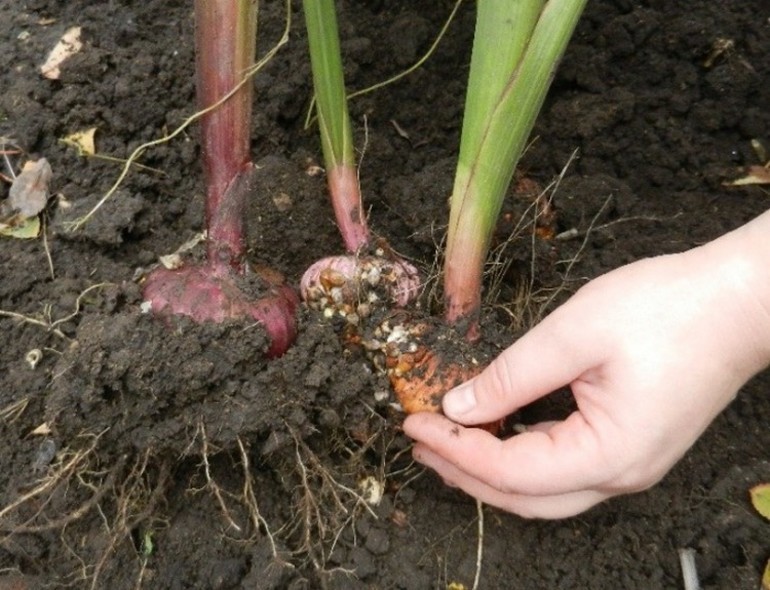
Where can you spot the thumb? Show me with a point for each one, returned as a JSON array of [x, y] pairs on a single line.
[[548, 357]]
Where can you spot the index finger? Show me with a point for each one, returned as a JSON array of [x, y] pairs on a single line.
[[554, 353], [566, 458]]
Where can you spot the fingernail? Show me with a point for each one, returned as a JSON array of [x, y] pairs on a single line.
[[459, 401]]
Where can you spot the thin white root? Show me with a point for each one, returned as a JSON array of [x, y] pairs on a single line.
[[480, 545], [210, 483], [53, 326], [689, 569], [250, 498]]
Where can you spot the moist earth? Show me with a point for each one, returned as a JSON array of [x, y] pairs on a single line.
[[138, 454]]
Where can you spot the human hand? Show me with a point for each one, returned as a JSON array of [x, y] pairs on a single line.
[[652, 351]]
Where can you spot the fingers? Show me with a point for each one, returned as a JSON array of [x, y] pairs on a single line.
[[562, 460], [553, 506], [551, 355]]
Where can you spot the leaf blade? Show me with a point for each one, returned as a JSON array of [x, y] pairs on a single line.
[[760, 499]]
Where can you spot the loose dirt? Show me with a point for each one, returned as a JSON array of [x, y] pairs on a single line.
[[139, 455]]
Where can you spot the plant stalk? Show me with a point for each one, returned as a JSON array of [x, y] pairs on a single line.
[[212, 291], [334, 122], [516, 49], [226, 34]]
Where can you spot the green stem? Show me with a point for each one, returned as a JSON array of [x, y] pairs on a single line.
[[334, 122], [516, 49]]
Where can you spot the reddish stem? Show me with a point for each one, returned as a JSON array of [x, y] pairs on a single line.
[[225, 47], [463, 267], [345, 192]]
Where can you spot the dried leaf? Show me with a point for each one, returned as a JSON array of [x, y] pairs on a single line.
[[171, 261], [755, 175], [760, 499], [29, 191], [82, 141], [67, 46], [25, 229], [42, 430]]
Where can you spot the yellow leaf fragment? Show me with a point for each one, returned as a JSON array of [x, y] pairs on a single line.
[[82, 141], [754, 175], [67, 46], [42, 430], [759, 150], [760, 499], [26, 229], [766, 577]]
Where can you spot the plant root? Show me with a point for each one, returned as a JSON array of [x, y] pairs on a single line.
[[124, 496], [480, 544], [246, 498], [136, 498], [325, 507], [53, 325]]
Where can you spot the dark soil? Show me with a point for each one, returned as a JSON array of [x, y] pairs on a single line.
[[134, 455]]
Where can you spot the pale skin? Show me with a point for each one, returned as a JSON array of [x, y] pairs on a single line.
[[652, 352]]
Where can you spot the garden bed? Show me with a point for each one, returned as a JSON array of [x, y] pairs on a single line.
[[134, 455]]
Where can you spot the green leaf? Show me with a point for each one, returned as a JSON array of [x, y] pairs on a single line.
[[517, 46], [329, 83], [766, 577], [26, 229], [760, 499]]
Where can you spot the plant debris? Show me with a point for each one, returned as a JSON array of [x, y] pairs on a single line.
[[68, 45], [27, 198], [760, 499], [754, 175], [82, 141]]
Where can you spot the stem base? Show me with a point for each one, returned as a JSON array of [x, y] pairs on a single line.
[[212, 293]]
